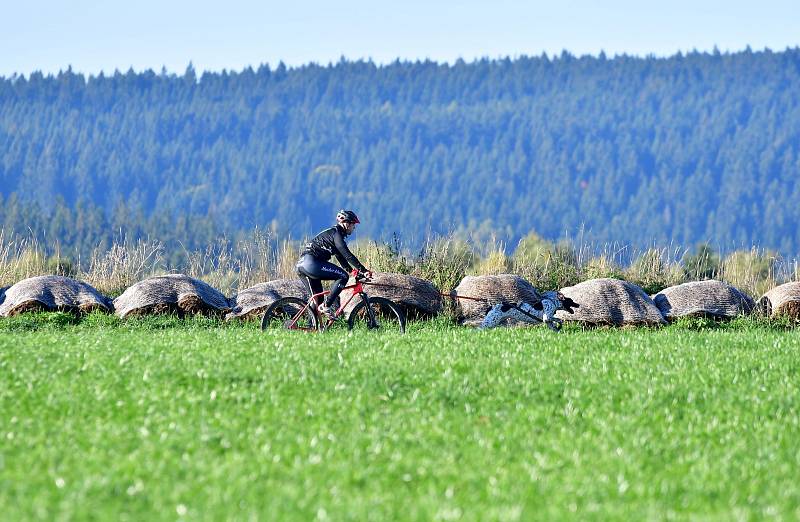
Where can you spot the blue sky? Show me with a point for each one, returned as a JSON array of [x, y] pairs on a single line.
[[105, 35]]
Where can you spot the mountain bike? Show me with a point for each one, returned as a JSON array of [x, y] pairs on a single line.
[[370, 313]]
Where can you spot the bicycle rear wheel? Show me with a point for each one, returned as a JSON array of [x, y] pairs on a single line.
[[382, 315], [291, 313]]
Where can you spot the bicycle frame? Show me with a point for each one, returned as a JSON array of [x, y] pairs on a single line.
[[357, 288]]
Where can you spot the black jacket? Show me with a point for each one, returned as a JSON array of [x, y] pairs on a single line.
[[330, 242]]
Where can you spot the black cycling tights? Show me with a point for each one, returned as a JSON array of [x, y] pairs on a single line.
[[312, 271]]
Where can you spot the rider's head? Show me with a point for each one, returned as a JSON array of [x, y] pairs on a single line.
[[348, 220]]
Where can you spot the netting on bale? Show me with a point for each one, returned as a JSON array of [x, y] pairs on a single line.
[[173, 293], [611, 302], [491, 290], [53, 293], [252, 302], [418, 297], [710, 298], [783, 300]]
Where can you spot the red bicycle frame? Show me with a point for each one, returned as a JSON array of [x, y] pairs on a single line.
[[357, 288]]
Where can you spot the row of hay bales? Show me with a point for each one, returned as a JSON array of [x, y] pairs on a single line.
[[182, 295], [602, 301], [621, 303]]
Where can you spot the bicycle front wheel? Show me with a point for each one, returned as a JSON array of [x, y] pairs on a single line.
[[291, 313], [382, 315]]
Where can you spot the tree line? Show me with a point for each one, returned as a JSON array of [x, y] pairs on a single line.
[[697, 147]]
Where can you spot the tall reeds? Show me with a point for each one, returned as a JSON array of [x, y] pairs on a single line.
[[444, 260]]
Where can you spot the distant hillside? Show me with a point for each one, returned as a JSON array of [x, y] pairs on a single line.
[[635, 150]]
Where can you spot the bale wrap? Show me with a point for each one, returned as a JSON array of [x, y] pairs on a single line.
[[252, 302], [611, 302], [173, 293], [491, 290], [52, 293], [416, 296], [783, 300], [710, 298]]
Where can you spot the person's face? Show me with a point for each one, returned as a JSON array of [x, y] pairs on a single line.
[[350, 227]]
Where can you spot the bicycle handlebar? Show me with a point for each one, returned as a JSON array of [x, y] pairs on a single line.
[[359, 276]]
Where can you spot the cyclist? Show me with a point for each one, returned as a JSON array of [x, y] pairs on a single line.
[[313, 266]]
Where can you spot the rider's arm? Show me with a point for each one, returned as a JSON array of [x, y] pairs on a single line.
[[343, 262], [343, 254]]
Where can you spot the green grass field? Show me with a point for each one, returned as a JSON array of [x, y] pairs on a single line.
[[163, 419]]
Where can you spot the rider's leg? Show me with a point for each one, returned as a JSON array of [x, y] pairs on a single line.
[[314, 286], [316, 269], [337, 287], [307, 270]]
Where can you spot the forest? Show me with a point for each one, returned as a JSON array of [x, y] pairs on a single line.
[[702, 147]]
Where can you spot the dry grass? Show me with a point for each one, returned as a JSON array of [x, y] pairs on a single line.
[[112, 271], [754, 271], [656, 269], [445, 262], [495, 262], [384, 257], [231, 266], [285, 256], [19, 259], [217, 265], [602, 266]]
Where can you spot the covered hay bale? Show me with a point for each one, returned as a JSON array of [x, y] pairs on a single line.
[[2, 294], [252, 302], [611, 302], [710, 298], [417, 297], [491, 290], [52, 293], [173, 293], [783, 300]]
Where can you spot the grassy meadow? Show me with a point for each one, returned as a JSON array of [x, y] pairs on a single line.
[[165, 419]]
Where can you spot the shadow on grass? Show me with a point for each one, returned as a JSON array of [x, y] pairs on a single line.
[[35, 321], [743, 323], [98, 320]]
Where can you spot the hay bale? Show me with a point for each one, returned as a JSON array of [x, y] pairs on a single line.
[[173, 293], [611, 302], [3, 294], [52, 293], [252, 302], [417, 297], [491, 290], [710, 298], [783, 300]]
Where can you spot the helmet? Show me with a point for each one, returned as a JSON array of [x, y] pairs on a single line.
[[346, 216]]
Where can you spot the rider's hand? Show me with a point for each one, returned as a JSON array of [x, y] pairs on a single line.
[[368, 274]]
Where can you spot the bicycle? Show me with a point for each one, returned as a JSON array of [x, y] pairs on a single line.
[[371, 313]]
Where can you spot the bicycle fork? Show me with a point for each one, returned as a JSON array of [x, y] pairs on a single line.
[[372, 321]]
